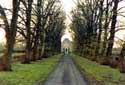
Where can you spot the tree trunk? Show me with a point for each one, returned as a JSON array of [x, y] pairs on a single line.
[[28, 50], [10, 37], [121, 59], [112, 31], [103, 52], [38, 28], [100, 28], [42, 45]]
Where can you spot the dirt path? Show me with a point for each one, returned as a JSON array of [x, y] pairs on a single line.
[[66, 73]]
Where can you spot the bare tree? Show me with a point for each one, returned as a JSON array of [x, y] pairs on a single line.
[[10, 36], [113, 26]]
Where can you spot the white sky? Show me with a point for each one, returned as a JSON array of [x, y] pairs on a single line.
[[68, 5], [6, 3], [2, 35]]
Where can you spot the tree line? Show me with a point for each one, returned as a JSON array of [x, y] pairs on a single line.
[[95, 23], [36, 23]]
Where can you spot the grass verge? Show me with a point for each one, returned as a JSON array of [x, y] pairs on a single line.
[[14, 55], [29, 74], [98, 74]]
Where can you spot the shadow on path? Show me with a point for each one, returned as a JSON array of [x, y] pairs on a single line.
[[66, 73]]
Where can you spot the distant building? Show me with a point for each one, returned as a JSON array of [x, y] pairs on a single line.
[[66, 45]]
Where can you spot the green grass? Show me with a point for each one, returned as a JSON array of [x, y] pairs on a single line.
[[17, 55], [29, 74], [1, 54], [14, 55], [95, 71]]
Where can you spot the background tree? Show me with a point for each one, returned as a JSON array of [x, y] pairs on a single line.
[[95, 24], [35, 24], [43, 18]]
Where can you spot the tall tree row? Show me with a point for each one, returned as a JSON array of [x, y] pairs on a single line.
[[95, 23], [35, 23]]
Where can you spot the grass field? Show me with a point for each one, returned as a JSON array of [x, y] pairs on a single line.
[[29, 74], [14, 55], [99, 73]]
